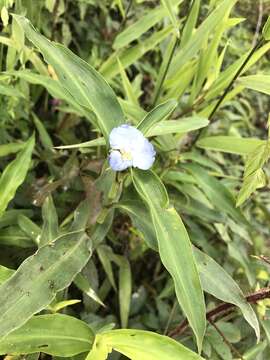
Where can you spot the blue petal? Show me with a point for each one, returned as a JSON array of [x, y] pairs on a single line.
[[117, 163]]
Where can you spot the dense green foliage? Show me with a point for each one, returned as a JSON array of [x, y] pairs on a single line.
[[159, 264]]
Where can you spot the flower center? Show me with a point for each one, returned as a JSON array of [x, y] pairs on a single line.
[[126, 155]]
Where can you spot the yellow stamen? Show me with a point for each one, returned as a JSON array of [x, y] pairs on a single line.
[[126, 155]]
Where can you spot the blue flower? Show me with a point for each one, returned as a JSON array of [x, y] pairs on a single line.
[[130, 148]]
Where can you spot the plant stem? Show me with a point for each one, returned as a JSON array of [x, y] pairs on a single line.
[[230, 346], [223, 309], [238, 73], [226, 91], [123, 23], [177, 43]]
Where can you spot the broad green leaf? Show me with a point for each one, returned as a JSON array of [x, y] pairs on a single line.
[[259, 83], [51, 269], [178, 126], [139, 344], [10, 148], [56, 334], [216, 192], [175, 250], [14, 174], [5, 274], [217, 282], [159, 113], [230, 144], [84, 83]]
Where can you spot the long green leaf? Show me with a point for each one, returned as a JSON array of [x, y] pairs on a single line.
[[134, 31], [217, 282], [10, 148], [140, 345], [127, 57], [178, 126], [55, 88], [175, 250], [57, 334], [196, 41], [230, 144], [216, 192], [51, 269], [259, 83], [159, 113], [83, 82], [14, 174], [5, 273]]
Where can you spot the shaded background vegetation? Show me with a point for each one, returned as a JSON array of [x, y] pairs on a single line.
[[89, 28]]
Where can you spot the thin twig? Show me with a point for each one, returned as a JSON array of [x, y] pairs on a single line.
[[170, 317], [259, 23], [177, 43], [123, 23], [230, 346], [229, 87], [222, 310], [54, 16]]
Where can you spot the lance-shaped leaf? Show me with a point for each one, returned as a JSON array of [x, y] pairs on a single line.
[[160, 112], [175, 250], [230, 144], [51, 269], [82, 81], [139, 344], [217, 193], [57, 334], [14, 174], [217, 282]]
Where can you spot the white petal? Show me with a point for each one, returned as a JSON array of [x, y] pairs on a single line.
[[117, 163]]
